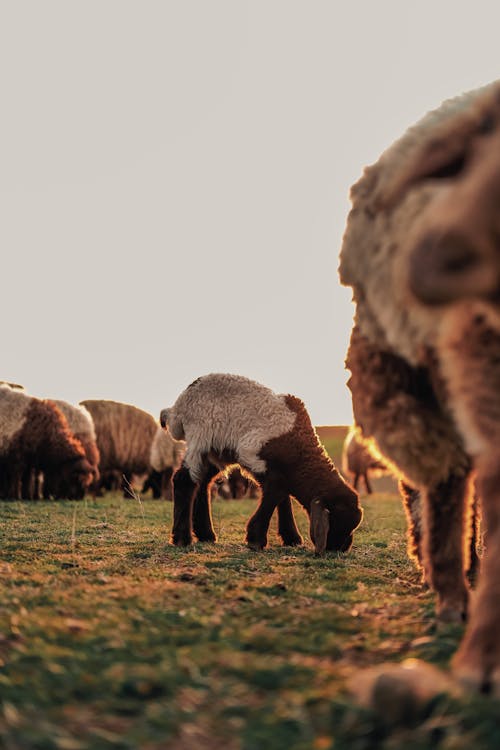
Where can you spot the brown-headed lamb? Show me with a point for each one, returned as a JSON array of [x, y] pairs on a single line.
[[358, 461], [124, 435], [229, 419], [421, 252], [34, 438], [82, 426]]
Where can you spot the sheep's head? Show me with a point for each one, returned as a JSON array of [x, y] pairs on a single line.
[[456, 248], [75, 478], [333, 521], [169, 420]]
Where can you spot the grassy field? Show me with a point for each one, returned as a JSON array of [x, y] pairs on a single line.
[[111, 638]]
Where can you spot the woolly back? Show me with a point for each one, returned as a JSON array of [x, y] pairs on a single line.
[[124, 434], [78, 417], [219, 411], [14, 404]]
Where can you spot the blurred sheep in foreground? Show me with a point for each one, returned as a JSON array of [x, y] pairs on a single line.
[[421, 252]]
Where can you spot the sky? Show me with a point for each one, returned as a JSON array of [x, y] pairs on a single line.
[[174, 182]]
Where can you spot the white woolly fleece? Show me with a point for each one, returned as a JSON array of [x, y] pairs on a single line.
[[228, 412], [14, 404], [165, 451], [78, 418]]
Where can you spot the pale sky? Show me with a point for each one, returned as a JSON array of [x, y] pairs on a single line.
[[174, 181]]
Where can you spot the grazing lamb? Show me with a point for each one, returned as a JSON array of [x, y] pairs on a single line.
[[358, 461], [229, 419], [82, 426], [124, 436], [34, 437], [422, 253], [165, 458]]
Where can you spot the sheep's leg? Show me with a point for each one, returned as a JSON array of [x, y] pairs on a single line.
[[202, 517], [477, 662], [443, 546], [287, 528], [412, 504], [355, 481], [166, 483], [258, 525], [184, 493], [474, 560], [367, 483]]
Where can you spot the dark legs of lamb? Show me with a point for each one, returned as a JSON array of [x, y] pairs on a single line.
[[202, 517], [273, 495], [287, 528], [184, 492], [192, 508]]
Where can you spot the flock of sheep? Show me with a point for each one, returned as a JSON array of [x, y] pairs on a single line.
[[54, 449], [421, 252]]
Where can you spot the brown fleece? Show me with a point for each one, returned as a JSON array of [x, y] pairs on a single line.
[[124, 435], [44, 443]]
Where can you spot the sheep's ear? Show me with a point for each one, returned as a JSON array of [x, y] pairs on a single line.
[[320, 524]]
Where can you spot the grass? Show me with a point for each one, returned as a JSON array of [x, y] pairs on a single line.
[[111, 638]]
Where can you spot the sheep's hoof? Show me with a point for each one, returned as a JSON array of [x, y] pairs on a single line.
[[206, 538], [183, 541], [295, 541], [452, 611], [477, 663], [256, 546]]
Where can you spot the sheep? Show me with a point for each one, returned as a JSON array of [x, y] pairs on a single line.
[[166, 456], [124, 435], [82, 426], [34, 437], [229, 419], [233, 484], [421, 253], [357, 460]]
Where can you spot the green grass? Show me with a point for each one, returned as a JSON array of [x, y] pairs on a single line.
[[112, 638]]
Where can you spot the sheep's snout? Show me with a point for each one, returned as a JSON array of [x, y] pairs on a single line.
[[457, 253], [447, 266]]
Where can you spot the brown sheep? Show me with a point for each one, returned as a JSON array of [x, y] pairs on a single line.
[[422, 253], [357, 460], [124, 437], [82, 427], [34, 437]]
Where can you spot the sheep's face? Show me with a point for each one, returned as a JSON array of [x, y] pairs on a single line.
[[75, 479], [333, 521], [455, 251]]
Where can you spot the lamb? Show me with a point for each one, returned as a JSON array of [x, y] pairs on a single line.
[[34, 437], [228, 419], [82, 427], [165, 458], [124, 435], [357, 460], [421, 253]]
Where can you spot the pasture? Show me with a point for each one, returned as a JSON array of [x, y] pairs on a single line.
[[111, 638]]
